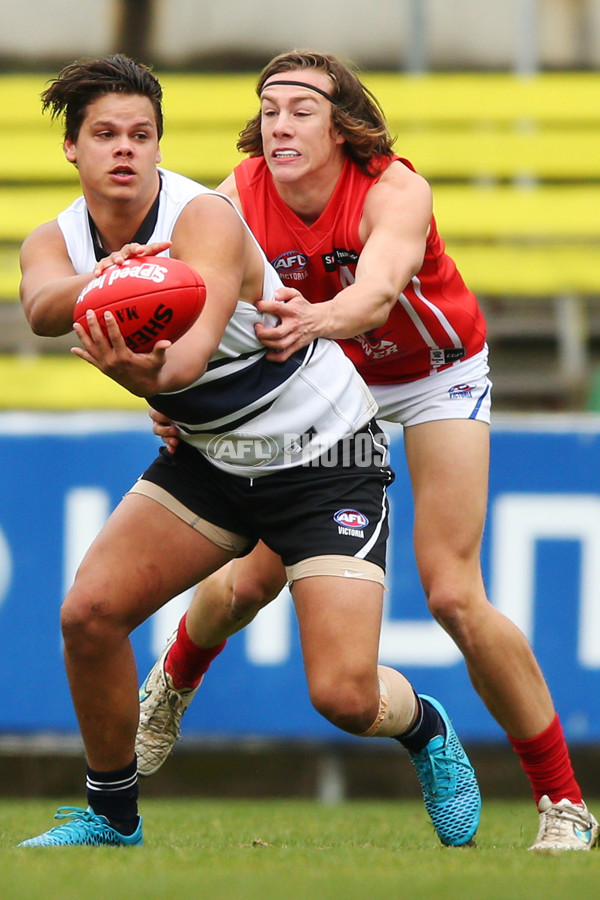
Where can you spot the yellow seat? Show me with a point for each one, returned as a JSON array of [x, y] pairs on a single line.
[[513, 162], [59, 382]]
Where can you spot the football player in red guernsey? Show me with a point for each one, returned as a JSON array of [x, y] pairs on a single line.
[[349, 227]]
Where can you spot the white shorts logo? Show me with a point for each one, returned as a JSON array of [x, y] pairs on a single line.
[[461, 392]]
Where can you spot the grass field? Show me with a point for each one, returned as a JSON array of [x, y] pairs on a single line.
[[293, 850]]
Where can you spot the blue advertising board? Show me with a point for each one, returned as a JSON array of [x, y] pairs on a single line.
[[541, 561]]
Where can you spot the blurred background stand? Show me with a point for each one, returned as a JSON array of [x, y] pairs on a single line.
[[134, 28]]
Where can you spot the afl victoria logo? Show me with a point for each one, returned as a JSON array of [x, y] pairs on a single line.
[[291, 264], [461, 391], [350, 518]]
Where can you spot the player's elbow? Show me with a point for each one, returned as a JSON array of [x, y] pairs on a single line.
[[42, 323], [40, 327], [380, 312]]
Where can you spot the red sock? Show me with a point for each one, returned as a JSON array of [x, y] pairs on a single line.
[[186, 663], [546, 762]]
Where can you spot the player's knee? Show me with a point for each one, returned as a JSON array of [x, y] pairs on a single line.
[[454, 606], [87, 624], [248, 597], [348, 704], [445, 606]]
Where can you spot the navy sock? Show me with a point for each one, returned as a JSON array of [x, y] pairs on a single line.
[[114, 795], [429, 724]]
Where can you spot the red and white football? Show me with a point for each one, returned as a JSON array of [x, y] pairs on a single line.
[[151, 297]]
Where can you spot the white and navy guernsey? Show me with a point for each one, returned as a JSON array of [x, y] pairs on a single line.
[[79, 232], [249, 416]]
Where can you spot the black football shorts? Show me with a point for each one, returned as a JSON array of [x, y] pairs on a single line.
[[337, 505]]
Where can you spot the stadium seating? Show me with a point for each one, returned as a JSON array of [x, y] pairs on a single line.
[[515, 167]]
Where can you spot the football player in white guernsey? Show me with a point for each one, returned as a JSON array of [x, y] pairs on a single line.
[[191, 512]]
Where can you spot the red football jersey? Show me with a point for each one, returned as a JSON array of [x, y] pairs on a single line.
[[436, 321]]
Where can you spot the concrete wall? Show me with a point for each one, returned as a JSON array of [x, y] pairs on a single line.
[[33, 30], [487, 34]]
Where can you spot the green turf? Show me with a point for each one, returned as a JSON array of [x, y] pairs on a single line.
[[266, 850]]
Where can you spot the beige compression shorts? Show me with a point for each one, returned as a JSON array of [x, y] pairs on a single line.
[[331, 565]]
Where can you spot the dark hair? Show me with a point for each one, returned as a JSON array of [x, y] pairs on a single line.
[[356, 111], [84, 81]]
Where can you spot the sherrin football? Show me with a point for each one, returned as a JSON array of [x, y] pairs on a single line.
[[151, 297]]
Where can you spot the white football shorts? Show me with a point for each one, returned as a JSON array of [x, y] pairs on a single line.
[[462, 391]]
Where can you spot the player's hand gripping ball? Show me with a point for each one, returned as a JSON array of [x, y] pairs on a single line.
[[152, 298]]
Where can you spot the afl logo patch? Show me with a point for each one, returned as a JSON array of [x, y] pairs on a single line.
[[350, 518], [292, 265], [461, 391]]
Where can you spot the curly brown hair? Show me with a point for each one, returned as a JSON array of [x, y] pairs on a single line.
[[83, 81], [355, 111]]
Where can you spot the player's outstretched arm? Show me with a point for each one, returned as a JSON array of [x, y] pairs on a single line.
[[49, 284]]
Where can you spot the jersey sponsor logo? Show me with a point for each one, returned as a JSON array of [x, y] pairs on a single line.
[[351, 522], [461, 392], [439, 357], [243, 449], [291, 265], [337, 257]]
